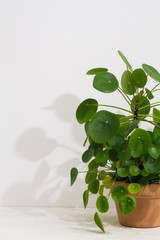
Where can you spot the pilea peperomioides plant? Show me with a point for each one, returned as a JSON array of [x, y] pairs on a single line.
[[119, 150]]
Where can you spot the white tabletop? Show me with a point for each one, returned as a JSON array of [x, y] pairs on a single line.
[[65, 224]]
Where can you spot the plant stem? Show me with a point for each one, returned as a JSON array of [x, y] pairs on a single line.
[[102, 105], [123, 96], [124, 93], [155, 87], [156, 90], [151, 122]]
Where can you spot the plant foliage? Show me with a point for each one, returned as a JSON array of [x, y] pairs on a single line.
[[119, 149]]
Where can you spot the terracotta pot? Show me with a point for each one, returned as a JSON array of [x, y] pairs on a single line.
[[147, 212]]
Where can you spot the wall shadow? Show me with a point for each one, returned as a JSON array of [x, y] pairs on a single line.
[[34, 146]]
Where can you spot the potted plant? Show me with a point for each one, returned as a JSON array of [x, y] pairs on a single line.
[[122, 156]]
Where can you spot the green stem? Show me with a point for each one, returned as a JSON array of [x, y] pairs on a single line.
[[124, 93], [155, 87], [151, 122], [102, 105], [124, 96], [156, 90]]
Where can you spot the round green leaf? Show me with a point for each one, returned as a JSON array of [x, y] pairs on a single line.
[[144, 173], [140, 103], [152, 72], [86, 110], [93, 165], [103, 126], [73, 175], [157, 141], [96, 147], [127, 204], [125, 60], [106, 182], [139, 78], [85, 198], [123, 171], [93, 186], [96, 70], [101, 156], [105, 82], [118, 192], [134, 170], [102, 175], [124, 154], [151, 165], [90, 176], [98, 221], [113, 155], [154, 151], [139, 142], [116, 141], [102, 204], [127, 83], [87, 155], [134, 188]]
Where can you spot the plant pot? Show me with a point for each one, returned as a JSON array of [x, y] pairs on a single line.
[[147, 211]]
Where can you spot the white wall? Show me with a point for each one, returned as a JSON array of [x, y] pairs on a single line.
[[46, 47]]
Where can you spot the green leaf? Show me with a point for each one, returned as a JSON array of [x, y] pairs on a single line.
[[93, 186], [153, 151], [93, 165], [134, 188], [90, 176], [125, 60], [118, 192], [134, 170], [103, 126], [85, 198], [73, 175], [151, 165], [139, 142], [96, 70], [106, 182], [156, 132], [124, 154], [116, 141], [105, 82], [101, 156], [101, 190], [102, 204], [123, 171], [102, 175], [98, 221], [113, 155], [149, 93], [157, 141], [131, 127], [87, 155], [127, 83], [127, 204], [156, 115], [139, 102], [86, 110], [96, 147], [152, 72], [139, 78]]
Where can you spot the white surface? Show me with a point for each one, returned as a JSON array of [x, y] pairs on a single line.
[[65, 224], [46, 47]]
